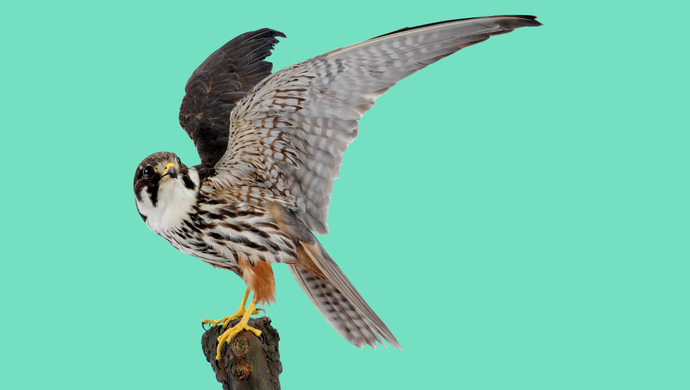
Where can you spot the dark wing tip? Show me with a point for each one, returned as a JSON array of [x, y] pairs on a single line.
[[526, 20]]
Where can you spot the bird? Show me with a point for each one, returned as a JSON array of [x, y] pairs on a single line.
[[271, 145]]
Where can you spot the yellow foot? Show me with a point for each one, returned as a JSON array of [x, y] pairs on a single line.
[[228, 334], [226, 320], [232, 332]]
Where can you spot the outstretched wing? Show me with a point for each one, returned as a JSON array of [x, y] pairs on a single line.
[[217, 84], [289, 133]]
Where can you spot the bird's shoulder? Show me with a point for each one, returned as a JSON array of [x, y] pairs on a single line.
[[217, 192]]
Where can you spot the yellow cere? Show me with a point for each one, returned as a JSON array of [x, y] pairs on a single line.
[[167, 167]]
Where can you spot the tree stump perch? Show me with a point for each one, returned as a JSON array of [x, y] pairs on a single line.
[[247, 362]]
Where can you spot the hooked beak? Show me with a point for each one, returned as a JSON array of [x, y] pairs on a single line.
[[170, 170]]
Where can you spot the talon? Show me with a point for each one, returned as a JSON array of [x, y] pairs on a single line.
[[228, 334], [232, 332]]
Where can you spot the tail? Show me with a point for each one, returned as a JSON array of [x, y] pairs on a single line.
[[338, 301]]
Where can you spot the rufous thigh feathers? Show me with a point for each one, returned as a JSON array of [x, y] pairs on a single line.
[[259, 279]]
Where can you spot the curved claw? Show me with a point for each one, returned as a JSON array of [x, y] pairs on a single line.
[[228, 334], [232, 332], [240, 326]]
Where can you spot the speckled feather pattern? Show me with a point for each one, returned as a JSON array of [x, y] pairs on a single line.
[[271, 146], [291, 130]]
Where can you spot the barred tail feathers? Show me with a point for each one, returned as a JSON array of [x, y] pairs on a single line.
[[339, 302]]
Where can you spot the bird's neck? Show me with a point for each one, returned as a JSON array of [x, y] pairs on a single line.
[[175, 203]]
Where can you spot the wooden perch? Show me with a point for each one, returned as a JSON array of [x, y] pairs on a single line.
[[247, 362]]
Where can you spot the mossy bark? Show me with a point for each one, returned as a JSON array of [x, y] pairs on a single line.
[[247, 362]]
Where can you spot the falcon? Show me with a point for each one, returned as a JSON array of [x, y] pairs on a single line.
[[270, 147]]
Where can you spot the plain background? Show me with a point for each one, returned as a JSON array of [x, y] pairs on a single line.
[[516, 213]]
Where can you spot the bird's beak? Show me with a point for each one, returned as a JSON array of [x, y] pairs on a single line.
[[170, 170]]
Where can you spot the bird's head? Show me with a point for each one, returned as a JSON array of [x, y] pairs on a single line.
[[162, 180]]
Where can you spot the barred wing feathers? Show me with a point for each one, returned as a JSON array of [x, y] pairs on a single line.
[[289, 133]]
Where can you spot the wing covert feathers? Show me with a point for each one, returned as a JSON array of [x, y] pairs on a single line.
[[289, 133], [217, 84]]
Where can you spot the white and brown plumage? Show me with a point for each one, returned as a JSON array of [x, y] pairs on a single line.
[[271, 146]]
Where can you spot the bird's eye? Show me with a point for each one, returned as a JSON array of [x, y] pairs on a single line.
[[178, 160], [148, 172]]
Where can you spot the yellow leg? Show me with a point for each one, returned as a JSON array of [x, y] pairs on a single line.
[[232, 332], [242, 325], [240, 312]]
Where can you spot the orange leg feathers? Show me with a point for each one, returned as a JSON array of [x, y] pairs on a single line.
[[259, 279]]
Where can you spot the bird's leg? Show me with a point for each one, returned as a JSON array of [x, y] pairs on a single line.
[[240, 312], [228, 334], [242, 325]]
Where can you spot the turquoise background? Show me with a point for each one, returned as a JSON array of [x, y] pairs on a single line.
[[517, 213]]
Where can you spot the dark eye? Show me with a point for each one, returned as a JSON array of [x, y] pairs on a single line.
[[148, 172], [178, 160]]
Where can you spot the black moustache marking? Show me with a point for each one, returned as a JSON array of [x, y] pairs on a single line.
[[153, 193], [151, 187], [188, 183]]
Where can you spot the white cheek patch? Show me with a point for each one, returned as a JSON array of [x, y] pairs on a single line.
[[175, 202], [145, 206]]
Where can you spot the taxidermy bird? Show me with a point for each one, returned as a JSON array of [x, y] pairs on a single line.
[[270, 147]]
